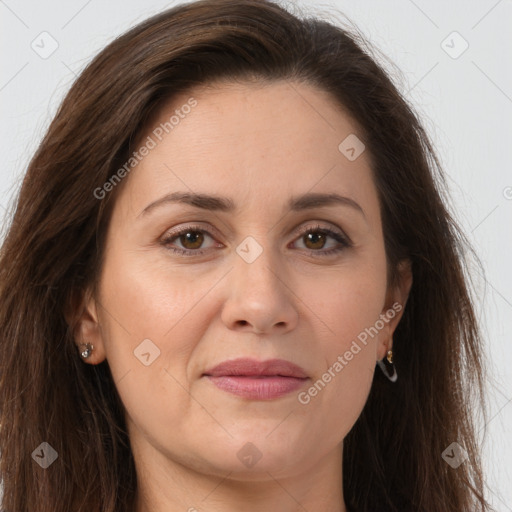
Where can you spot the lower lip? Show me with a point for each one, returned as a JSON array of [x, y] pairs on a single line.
[[258, 388]]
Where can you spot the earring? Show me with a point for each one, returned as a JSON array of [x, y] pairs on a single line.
[[389, 357], [86, 352]]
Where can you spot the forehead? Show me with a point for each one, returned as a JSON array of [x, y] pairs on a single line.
[[255, 142]]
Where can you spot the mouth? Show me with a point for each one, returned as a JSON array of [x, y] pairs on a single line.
[[257, 380]]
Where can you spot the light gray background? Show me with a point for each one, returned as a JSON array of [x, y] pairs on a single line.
[[465, 102]]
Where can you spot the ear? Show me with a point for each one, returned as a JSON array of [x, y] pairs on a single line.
[[82, 317], [396, 299]]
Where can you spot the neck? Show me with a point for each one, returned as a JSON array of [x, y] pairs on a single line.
[[168, 486]]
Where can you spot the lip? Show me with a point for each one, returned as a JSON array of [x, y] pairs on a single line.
[[257, 380], [247, 367]]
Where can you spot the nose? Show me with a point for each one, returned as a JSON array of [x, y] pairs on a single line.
[[260, 299]]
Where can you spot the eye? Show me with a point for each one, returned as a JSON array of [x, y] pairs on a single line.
[[315, 237], [192, 238]]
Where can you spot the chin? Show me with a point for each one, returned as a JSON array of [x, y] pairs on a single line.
[[254, 456]]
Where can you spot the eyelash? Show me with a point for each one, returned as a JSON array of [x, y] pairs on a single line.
[[344, 241]]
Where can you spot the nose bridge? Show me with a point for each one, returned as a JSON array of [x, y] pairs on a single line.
[[258, 295], [255, 268]]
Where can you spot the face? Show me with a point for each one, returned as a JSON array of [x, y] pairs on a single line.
[[266, 269]]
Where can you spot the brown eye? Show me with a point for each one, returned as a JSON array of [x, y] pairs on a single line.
[[314, 240], [192, 239]]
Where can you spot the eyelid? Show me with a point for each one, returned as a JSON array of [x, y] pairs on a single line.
[[191, 227], [334, 230], [176, 233]]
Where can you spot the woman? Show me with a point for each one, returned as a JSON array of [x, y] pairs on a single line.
[[233, 221]]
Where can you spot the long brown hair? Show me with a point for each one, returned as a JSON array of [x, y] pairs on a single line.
[[54, 245]]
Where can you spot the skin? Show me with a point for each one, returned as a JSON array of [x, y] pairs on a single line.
[[258, 145]]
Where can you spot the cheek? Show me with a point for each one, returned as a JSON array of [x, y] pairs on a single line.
[[153, 327], [348, 304], [349, 308], [339, 390], [151, 330], [146, 300]]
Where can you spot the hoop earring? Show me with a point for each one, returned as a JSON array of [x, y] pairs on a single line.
[[87, 351], [382, 366]]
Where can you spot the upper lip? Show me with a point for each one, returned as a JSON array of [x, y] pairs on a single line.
[[252, 367]]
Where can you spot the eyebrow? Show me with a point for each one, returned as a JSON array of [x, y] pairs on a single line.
[[225, 204]]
